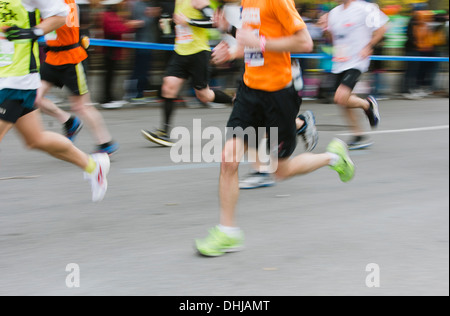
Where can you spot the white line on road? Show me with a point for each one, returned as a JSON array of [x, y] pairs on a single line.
[[183, 167], [408, 130]]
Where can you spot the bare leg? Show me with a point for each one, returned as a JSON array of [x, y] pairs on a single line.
[[4, 128], [229, 180], [47, 106], [58, 146], [302, 164], [91, 117], [349, 102], [299, 123]]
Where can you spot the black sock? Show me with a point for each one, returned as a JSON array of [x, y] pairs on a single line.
[[169, 106], [69, 123], [222, 97], [106, 145]]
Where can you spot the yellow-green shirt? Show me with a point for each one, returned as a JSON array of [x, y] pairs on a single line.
[[189, 39]]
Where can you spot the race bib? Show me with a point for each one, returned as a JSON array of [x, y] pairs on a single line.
[[6, 51], [184, 34], [254, 57], [341, 53]]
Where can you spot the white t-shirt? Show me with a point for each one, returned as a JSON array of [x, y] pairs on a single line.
[[352, 31], [47, 9]]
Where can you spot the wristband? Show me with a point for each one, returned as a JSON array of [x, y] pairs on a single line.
[[262, 43]]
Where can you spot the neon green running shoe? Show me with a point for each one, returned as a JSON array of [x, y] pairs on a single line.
[[219, 243], [345, 166]]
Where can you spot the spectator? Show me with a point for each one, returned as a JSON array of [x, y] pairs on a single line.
[[113, 29], [148, 12], [422, 42]]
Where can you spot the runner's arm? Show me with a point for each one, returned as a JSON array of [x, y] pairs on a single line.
[[52, 23], [48, 25], [207, 21], [300, 42], [377, 37]]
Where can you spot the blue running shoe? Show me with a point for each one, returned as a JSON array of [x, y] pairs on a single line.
[[72, 128], [108, 148]]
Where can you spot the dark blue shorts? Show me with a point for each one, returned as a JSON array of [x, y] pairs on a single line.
[[16, 103]]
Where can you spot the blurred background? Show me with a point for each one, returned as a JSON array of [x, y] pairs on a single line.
[[416, 28]]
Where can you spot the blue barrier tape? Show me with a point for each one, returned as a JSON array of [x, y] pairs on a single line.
[[135, 45], [169, 47], [378, 57]]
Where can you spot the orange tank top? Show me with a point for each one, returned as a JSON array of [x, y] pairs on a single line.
[[66, 35]]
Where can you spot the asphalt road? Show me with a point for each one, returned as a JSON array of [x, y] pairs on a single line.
[[311, 235]]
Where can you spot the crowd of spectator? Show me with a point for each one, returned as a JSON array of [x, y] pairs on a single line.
[[414, 31]]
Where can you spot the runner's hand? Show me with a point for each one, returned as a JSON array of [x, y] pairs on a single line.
[[366, 52], [221, 54], [220, 21], [16, 33]]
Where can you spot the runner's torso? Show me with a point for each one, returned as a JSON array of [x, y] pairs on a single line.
[[190, 40]]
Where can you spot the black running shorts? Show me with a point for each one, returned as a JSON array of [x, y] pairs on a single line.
[[71, 76], [16, 103], [261, 110], [348, 78], [191, 66]]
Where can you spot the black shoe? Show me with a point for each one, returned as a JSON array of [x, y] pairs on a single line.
[[373, 114], [159, 137]]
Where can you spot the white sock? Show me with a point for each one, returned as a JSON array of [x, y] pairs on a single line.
[[334, 159], [230, 231]]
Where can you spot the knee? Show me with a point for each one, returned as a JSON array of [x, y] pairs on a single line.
[[230, 164], [34, 143], [80, 106], [340, 100], [342, 97], [168, 90], [229, 168]]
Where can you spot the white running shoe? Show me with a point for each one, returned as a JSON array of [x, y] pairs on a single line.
[[256, 180], [98, 181], [309, 134]]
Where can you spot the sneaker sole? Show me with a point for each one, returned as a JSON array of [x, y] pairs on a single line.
[[359, 147], [156, 140], [257, 187], [224, 252]]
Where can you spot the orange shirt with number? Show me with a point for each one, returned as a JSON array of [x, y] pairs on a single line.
[[270, 71], [66, 35]]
